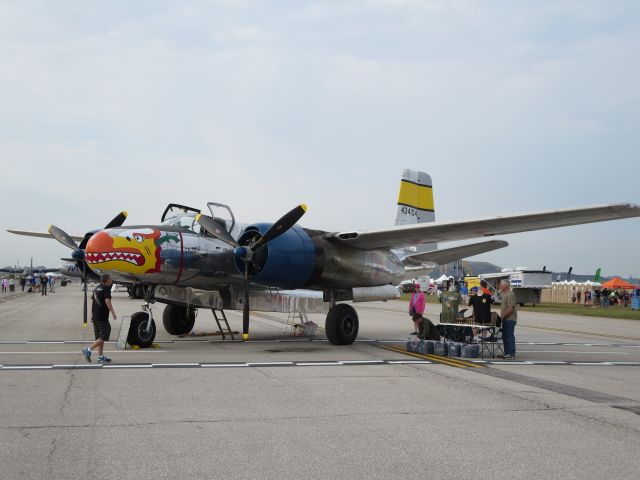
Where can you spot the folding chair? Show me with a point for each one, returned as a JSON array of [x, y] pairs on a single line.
[[492, 344]]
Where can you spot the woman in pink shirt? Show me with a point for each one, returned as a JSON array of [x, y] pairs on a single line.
[[416, 308]]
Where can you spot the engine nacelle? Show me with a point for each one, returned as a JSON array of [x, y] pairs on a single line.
[[302, 259], [288, 261]]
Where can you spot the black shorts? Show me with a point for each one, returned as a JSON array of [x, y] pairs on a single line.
[[102, 329]]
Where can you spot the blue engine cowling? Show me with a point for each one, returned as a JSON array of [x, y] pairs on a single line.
[[286, 262]]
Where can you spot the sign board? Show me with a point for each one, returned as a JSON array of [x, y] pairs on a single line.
[[124, 333]]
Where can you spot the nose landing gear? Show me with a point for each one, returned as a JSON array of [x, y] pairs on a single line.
[[142, 331]]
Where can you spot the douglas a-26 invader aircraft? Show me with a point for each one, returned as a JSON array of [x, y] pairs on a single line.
[[192, 260]]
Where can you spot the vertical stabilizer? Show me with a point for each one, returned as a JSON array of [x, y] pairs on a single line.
[[415, 200], [415, 204]]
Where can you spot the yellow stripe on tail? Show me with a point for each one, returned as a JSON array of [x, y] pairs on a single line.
[[416, 196]]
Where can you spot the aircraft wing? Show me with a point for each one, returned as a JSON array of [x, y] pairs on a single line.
[[30, 233], [447, 255], [406, 235]]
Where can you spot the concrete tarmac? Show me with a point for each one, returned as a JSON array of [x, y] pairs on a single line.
[[282, 407]]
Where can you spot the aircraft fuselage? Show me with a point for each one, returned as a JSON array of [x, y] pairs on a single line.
[[174, 255]]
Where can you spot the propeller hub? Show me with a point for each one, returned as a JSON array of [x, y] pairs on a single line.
[[78, 254], [241, 252]]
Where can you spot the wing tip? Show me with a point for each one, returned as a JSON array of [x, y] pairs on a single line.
[[626, 210]]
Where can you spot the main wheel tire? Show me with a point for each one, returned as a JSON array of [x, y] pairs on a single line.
[[136, 291], [178, 320], [138, 334], [342, 324]]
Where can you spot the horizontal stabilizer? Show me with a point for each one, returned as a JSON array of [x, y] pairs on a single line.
[[447, 255], [30, 233], [406, 235]]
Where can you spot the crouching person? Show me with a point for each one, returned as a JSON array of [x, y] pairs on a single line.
[[427, 330]]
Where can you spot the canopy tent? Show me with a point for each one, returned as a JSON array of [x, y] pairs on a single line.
[[442, 279], [618, 283]]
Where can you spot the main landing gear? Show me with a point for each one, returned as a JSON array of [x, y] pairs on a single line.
[[342, 324], [177, 320]]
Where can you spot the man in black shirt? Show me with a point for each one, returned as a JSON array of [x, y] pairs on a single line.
[[481, 303], [100, 308]]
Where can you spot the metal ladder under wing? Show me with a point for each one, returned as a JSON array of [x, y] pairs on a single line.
[[222, 317]]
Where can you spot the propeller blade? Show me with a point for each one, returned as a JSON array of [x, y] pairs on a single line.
[[245, 309], [215, 229], [118, 220], [84, 316], [63, 237], [285, 223]]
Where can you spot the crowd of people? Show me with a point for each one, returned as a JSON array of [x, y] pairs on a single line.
[[480, 300], [603, 297], [41, 284]]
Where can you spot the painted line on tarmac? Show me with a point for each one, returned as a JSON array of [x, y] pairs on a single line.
[[298, 340], [573, 344], [223, 365], [435, 358], [551, 363], [270, 364], [97, 366], [579, 332], [150, 350], [574, 351], [480, 363], [423, 360], [317, 364]]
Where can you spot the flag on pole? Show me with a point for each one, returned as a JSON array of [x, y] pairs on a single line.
[[596, 278]]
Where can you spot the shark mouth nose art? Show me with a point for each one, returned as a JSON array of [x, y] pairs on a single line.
[[101, 257]]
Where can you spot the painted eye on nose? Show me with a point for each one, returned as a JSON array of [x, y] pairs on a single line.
[[138, 238]]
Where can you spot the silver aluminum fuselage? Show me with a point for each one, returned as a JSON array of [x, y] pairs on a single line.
[[172, 255]]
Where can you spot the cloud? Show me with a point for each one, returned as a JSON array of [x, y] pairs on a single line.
[[510, 107]]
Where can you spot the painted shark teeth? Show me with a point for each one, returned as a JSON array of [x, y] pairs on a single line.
[[102, 257]]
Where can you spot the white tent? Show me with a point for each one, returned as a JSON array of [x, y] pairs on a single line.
[[443, 278]]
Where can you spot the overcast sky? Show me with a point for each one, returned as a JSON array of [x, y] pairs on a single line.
[[511, 106]]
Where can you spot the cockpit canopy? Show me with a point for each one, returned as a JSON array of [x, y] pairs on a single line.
[[184, 217], [174, 210], [181, 216]]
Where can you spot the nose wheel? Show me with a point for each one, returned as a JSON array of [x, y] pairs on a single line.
[[142, 331]]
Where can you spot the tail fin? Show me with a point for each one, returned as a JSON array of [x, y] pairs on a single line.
[[415, 201], [415, 204]]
